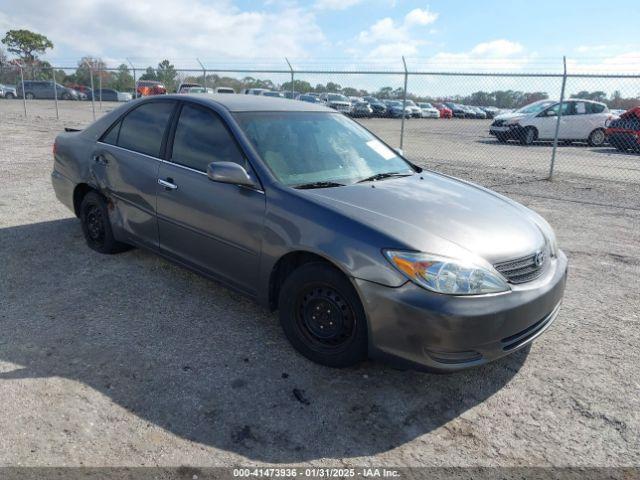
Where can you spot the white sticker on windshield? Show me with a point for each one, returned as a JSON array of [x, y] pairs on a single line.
[[381, 149]]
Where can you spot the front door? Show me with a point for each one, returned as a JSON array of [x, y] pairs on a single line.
[[213, 227]]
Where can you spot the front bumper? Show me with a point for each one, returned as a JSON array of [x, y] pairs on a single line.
[[514, 131], [415, 328]]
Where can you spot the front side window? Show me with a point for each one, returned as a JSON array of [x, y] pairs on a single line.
[[308, 147], [202, 138], [536, 107], [143, 128]]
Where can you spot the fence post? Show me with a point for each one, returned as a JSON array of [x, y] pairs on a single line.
[[93, 97], [291, 68], [555, 136], [24, 99], [55, 91], [135, 89], [404, 101], [99, 87], [204, 73]]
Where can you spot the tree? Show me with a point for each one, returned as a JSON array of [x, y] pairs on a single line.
[[149, 74], [166, 73], [27, 45], [122, 80], [299, 86], [86, 66]]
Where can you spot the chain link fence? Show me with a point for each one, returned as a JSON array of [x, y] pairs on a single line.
[[467, 124]]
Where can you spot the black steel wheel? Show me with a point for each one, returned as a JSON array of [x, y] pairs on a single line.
[[96, 226], [322, 316]]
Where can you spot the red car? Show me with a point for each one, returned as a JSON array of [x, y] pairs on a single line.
[[445, 112], [150, 87], [624, 133]]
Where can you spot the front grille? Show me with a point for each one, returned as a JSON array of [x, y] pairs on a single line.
[[524, 269], [497, 123]]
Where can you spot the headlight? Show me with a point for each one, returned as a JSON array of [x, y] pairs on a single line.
[[446, 275], [512, 121]]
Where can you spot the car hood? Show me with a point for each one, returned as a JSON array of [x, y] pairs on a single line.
[[438, 214], [509, 116]]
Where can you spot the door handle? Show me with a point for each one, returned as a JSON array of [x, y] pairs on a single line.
[[101, 159], [167, 184]]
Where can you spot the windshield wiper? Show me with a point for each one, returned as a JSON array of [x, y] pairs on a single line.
[[381, 176], [303, 186]]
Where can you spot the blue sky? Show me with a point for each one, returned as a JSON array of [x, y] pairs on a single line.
[[465, 34]]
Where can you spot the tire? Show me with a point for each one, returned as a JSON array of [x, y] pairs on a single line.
[[29, 96], [96, 226], [338, 338], [502, 138], [528, 136], [65, 96], [597, 138], [10, 96]]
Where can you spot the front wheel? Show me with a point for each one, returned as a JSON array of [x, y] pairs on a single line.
[[96, 226], [10, 96], [501, 138], [29, 96], [322, 316], [528, 136], [597, 138]]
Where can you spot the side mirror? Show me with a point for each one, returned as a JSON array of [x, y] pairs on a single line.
[[551, 113], [230, 172]]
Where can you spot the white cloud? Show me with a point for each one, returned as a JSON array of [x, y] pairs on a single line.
[[335, 4], [388, 38], [420, 17], [496, 55], [164, 29]]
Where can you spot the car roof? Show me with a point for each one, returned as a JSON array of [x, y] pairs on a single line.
[[254, 103]]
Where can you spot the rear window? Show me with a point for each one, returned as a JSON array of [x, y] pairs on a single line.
[[142, 129]]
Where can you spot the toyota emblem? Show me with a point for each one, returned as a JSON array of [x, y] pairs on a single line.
[[539, 259]]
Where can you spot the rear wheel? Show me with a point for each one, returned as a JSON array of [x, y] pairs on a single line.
[[65, 96], [29, 96], [96, 226], [322, 316], [597, 138]]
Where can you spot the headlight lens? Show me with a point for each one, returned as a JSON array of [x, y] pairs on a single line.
[[446, 275], [513, 121]]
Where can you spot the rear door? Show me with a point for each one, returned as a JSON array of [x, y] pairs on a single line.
[[125, 164], [211, 226]]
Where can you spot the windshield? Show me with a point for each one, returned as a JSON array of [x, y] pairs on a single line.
[[309, 147], [536, 107], [336, 97]]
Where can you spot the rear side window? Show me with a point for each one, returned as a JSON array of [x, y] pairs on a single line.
[[595, 108], [202, 138], [142, 129]]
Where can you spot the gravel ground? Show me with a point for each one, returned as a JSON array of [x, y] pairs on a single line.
[[128, 360]]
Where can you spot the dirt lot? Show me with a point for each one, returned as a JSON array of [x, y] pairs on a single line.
[[130, 360]]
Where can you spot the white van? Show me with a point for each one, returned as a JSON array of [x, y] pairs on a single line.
[[581, 120], [225, 90]]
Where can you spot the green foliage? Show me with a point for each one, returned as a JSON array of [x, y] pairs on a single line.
[[166, 73], [27, 45], [149, 74]]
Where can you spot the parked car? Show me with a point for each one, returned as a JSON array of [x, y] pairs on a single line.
[[254, 91], [361, 109], [185, 86], [581, 120], [145, 88], [395, 110], [416, 112], [445, 112], [458, 111], [224, 90], [624, 133], [289, 94], [337, 101], [478, 112], [272, 94], [305, 97], [379, 108], [197, 90], [428, 111], [8, 92], [110, 95], [37, 89], [491, 111], [423, 270]]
